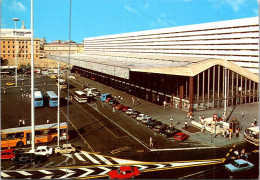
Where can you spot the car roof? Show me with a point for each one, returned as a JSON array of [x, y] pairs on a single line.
[[125, 168], [180, 133], [42, 147], [8, 150], [241, 161]]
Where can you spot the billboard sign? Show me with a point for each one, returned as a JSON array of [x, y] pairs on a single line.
[[16, 33]]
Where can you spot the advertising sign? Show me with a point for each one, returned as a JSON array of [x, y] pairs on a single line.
[[16, 33]]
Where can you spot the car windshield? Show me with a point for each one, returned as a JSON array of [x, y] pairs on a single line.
[[234, 163]]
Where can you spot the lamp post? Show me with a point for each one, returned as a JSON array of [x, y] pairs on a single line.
[[58, 110], [15, 20]]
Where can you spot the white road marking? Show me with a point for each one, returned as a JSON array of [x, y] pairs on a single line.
[[142, 167], [160, 166], [105, 172], [46, 177], [45, 172], [178, 164], [89, 171], [125, 161], [103, 159], [177, 149], [11, 167], [48, 164], [24, 173], [5, 175], [69, 173], [90, 157], [79, 157]]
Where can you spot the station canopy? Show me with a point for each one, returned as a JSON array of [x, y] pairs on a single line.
[[120, 65]]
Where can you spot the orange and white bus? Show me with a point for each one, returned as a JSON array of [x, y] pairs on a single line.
[[20, 136]]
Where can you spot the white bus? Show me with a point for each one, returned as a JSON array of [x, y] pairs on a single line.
[[63, 84], [81, 97], [252, 135], [38, 99]]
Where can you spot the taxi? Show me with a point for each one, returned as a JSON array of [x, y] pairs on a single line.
[[10, 84]]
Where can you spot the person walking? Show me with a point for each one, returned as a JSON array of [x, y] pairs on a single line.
[[186, 124], [4, 89], [48, 121], [133, 99], [21, 89], [20, 122], [164, 103], [114, 109], [23, 122], [242, 114], [255, 123], [230, 135], [151, 141]]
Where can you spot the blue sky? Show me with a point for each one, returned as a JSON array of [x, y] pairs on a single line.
[[92, 18]]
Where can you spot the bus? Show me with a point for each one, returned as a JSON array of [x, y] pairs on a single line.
[[63, 83], [251, 135], [81, 97], [52, 98], [13, 137], [38, 100]]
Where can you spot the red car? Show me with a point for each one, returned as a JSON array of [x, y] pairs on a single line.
[[124, 109], [119, 106], [180, 136], [8, 154], [124, 172]]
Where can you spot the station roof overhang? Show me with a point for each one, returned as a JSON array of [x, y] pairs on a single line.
[[121, 64]]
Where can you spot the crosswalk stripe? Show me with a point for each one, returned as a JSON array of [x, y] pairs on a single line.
[[24, 173], [79, 157], [4, 175], [103, 159], [89, 171], [106, 170], [90, 157], [124, 161], [45, 172], [67, 170]]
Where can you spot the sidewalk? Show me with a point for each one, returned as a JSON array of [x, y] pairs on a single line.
[[163, 114]]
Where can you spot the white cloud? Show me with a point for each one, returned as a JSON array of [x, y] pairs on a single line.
[[16, 6], [132, 10], [162, 21], [235, 4], [146, 5]]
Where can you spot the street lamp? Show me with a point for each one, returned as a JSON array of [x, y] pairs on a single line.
[[58, 109], [15, 20]]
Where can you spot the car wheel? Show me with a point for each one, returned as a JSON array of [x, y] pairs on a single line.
[[59, 153], [132, 177]]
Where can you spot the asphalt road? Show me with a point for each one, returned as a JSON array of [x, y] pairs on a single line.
[[99, 131]]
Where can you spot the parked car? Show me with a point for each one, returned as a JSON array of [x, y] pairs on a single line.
[[159, 126], [29, 158], [129, 111], [141, 116], [8, 154], [239, 165], [119, 106], [169, 132], [125, 108], [66, 148], [180, 136], [43, 150], [145, 119], [151, 123], [124, 172], [134, 114]]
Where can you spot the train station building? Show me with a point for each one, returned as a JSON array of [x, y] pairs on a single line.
[[192, 68]]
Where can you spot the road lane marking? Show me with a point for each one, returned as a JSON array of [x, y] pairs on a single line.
[[45, 172], [79, 157], [24, 173], [177, 149], [4, 175], [90, 157], [106, 170], [48, 164], [103, 159], [89, 171], [68, 173]]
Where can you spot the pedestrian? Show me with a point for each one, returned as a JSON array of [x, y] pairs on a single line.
[[138, 101], [133, 99], [164, 103], [227, 133], [242, 153], [255, 122], [237, 154], [230, 135], [48, 121], [20, 122], [23, 122], [237, 133], [151, 141], [242, 114], [252, 124], [4, 90], [223, 132], [71, 98], [202, 128], [22, 83], [21, 89], [114, 109], [186, 124]]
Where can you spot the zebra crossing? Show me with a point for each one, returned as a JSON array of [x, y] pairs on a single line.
[[98, 170]]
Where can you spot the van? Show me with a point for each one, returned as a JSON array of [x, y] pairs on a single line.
[[80, 96], [103, 97]]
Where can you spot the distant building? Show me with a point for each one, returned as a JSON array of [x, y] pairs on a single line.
[[59, 47], [23, 44]]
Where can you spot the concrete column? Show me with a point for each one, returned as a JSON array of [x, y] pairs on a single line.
[[253, 91], [241, 94], [245, 90], [213, 95], [223, 88], [181, 92], [218, 83], [232, 88], [198, 91], [191, 92], [249, 100], [203, 89], [237, 89], [225, 93], [208, 86]]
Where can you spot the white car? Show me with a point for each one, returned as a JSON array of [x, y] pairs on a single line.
[[141, 116], [129, 111], [65, 149], [43, 150]]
